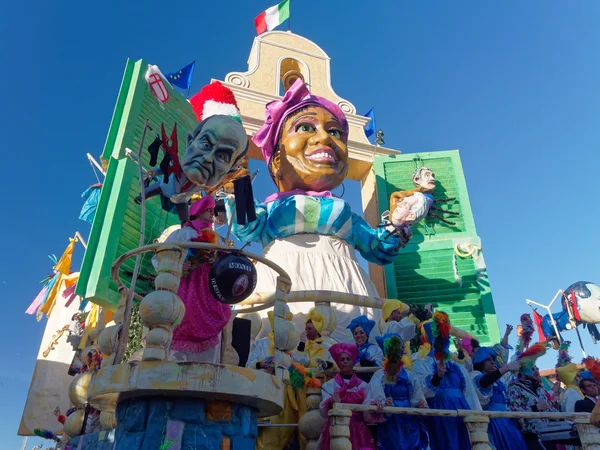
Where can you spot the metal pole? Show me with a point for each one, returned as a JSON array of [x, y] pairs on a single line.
[[580, 343], [94, 162], [78, 236], [124, 334]]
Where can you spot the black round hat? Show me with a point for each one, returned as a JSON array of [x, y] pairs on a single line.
[[232, 278]]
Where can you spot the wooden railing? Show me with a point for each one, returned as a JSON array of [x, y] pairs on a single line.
[[475, 421]]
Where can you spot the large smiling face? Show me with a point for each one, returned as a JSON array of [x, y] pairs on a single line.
[[212, 150], [589, 307], [313, 152]]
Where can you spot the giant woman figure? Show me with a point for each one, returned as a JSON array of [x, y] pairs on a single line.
[[312, 234]]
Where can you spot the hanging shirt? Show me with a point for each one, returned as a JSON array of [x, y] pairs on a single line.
[[91, 196]]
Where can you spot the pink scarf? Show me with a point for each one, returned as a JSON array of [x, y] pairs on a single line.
[[198, 225]]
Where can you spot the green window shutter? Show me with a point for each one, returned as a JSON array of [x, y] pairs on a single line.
[[425, 272], [116, 227]]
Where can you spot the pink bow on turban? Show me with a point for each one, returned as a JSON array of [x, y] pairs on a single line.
[[296, 97], [337, 350]]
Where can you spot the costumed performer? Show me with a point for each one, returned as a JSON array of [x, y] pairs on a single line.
[[463, 353], [198, 337], [313, 353], [396, 386], [395, 311], [526, 394], [369, 354], [589, 386], [447, 385], [487, 374], [567, 373], [304, 228], [262, 357], [345, 387]]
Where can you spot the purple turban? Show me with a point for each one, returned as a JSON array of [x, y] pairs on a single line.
[[297, 97]]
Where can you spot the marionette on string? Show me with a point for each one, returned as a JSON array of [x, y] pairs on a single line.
[[214, 149], [412, 206]]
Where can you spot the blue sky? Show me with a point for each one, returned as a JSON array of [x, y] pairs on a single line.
[[513, 85]]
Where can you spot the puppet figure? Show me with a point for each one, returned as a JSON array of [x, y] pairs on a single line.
[[410, 207], [304, 141], [214, 149], [580, 306]]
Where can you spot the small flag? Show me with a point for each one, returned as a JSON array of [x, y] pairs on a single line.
[[371, 127], [154, 78], [272, 17], [182, 78]]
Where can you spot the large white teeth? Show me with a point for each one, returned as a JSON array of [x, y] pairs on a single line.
[[322, 155]]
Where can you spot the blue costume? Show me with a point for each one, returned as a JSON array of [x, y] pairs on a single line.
[[447, 433], [503, 432], [369, 354], [397, 431]]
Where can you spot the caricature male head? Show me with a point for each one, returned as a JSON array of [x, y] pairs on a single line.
[[219, 142]]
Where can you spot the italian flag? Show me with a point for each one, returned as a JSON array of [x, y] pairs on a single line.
[[272, 17]]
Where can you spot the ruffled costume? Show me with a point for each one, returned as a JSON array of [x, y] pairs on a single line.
[[198, 337], [454, 391], [369, 354], [274, 438], [503, 432], [313, 236], [350, 390], [396, 431]]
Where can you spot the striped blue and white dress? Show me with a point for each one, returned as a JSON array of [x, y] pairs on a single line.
[[314, 240]]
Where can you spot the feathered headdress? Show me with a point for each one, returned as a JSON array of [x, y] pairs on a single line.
[[393, 349], [593, 366], [526, 332], [530, 356], [563, 355], [301, 377], [440, 329], [566, 370]]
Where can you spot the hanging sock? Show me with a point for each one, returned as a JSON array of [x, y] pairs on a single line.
[[171, 148], [244, 200], [153, 149]]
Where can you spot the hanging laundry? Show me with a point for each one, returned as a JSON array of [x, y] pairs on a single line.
[[91, 196]]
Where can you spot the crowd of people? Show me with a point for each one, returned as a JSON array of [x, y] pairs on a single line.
[[413, 366]]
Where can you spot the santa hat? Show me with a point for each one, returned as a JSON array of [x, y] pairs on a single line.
[[215, 100]]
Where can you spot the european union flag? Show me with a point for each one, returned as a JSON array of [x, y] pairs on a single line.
[[371, 127], [182, 78]]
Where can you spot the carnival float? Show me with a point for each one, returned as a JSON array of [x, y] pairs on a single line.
[[172, 336]]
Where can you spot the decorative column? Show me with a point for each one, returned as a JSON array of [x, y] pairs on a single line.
[[109, 337], [477, 425], [588, 434], [339, 429], [162, 310], [311, 423]]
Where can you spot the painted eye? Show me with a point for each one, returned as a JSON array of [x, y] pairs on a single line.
[[335, 133], [305, 128], [223, 156]]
